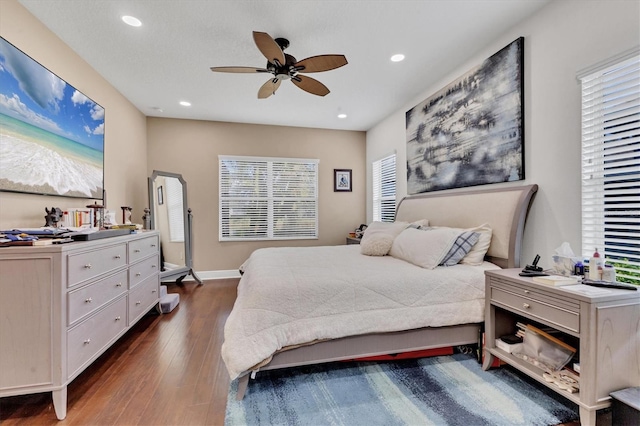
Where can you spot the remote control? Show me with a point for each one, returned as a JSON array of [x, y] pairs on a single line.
[[610, 284]]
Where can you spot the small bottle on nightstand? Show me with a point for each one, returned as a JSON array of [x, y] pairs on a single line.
[[596, 264]]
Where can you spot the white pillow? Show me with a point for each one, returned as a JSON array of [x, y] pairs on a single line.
[[379, 236], [476, 255], [424, 248]]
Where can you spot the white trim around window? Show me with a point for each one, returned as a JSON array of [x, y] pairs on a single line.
[[267, 198], [384, 188]]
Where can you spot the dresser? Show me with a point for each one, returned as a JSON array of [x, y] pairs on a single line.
[[603, 324], [62, 306]]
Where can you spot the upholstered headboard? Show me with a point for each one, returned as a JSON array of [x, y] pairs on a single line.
[[503, 209]]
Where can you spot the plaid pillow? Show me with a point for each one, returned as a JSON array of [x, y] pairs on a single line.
[[463, 244]]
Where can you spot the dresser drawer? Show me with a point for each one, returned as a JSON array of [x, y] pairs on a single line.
[[142, 298], [139, 249], [84, 266], [95, 334], [83, 301], [143, 270], [562, 316]]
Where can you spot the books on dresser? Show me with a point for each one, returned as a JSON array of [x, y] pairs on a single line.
[[556, 280]]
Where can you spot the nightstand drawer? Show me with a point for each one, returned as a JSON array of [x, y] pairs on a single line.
[[547, 312]]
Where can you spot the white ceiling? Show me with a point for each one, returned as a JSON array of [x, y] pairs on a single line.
[[167, 59]]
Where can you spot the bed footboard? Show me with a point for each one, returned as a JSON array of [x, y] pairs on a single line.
[[348, 348]]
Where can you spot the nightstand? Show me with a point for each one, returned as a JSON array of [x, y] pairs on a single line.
[[353, 240], [602, 324]]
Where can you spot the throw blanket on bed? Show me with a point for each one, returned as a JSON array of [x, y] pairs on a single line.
[[294, 296]]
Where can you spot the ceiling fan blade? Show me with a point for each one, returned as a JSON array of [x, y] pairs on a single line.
[[310, 85], [269, 48], [321, 63], [238, 69], [269, 88]]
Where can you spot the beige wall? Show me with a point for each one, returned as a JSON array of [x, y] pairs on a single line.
[[562, 39], [125, 126], [191, 148]]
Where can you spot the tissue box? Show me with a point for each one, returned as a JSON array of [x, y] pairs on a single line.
[[563, 265]]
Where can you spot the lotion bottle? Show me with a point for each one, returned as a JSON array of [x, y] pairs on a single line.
[[596, 264]]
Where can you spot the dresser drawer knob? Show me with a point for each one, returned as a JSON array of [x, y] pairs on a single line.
[[136, 251], [117, 318], [88, 300], [154, 290], [526, 305], [86, 342], [153, 245], [117, 256], [138, 274], [119, 285], [154, 266], [87, 266], [138, 303], [527, 292]]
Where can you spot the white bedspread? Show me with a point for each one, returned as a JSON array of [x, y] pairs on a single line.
[[292, 296]]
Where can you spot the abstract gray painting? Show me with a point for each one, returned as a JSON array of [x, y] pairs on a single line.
[[472, 131]]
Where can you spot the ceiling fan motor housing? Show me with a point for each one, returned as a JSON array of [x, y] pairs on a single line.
[[283, 71]]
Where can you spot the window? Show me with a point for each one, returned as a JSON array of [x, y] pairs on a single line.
[[611, 165], [268, 198], [384, 189]]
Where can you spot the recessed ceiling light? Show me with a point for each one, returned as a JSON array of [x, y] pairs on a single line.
[[397, 58], [185, 103], [130, 20], [342, 115]]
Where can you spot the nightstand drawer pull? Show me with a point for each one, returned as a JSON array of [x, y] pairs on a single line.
[[526, 305]]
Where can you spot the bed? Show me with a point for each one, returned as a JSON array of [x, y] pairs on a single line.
[[300, 306]]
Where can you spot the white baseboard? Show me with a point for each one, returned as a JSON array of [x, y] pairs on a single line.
[[214, 275]]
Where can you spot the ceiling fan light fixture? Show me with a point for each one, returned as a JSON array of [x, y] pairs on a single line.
[[185, 103], [131, 20], [398, 57], [342, 115], [286, 67]]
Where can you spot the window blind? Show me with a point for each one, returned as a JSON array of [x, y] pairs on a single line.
[[384, 189], [175, 211], [264, 198], [611, 166]]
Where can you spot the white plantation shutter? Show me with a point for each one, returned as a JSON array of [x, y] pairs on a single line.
[[265, 198], [384, 189], [611, 165]]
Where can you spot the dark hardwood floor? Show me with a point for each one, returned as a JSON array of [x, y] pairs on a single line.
[[166, 370]]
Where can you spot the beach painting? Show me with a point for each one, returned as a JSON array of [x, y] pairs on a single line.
[[51, 135], [471, 131]]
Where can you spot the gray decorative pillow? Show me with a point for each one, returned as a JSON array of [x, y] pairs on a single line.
[[463, 245]]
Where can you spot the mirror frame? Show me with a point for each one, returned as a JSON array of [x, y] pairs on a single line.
[[179, 273]]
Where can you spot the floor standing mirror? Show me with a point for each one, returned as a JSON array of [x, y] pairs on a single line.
[[171, 216]]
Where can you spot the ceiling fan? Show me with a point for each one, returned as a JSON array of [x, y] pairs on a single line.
[[285, 67]]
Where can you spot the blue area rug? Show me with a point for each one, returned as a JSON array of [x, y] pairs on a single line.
[[445, 390]]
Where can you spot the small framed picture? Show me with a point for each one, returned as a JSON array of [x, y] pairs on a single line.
[[160, 196], [341, 180]]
